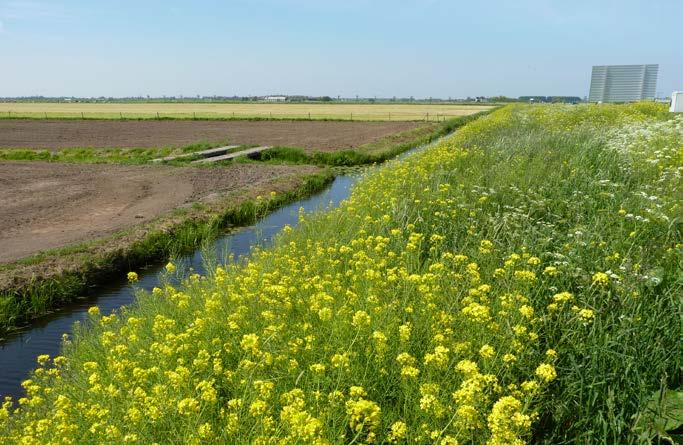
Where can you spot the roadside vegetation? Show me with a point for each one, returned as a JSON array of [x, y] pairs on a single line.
[[518, 282]]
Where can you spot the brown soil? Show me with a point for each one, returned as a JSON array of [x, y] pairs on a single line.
[[317, 135], [49, 205]]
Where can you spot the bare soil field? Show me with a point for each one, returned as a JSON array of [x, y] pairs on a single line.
[[49, 205], [312, 135]]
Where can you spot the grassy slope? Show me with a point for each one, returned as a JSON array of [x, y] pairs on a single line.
[[521, 280]]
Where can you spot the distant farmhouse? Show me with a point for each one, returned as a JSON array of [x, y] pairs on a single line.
[[623, 83], [551, 99], [275, 98]]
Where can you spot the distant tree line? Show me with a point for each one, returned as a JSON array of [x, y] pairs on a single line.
[[293, 99]]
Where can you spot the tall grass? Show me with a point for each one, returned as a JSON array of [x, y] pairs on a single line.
[[519, 282]]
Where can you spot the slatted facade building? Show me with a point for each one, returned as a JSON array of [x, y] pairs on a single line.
[[623, 83]]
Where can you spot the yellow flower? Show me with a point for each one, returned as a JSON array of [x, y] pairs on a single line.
[[601, 279], [188, 406], [477, 312], [209, 393], [467, 367], [170, 267], [357, 392], [526, 311], [525, 275], [360, 319], [341, 361], [467, 417], [546, 372], [364, 415], [249, 343], [509, 358], [404, 332], [530, 386], [551, 271], [506, 421], [94, 311], [438, 358], [398, 431], [562, 297], [317, 368], [587, 315], [258, 407], [487, 351], [205, 431], [325, 314], [409, 372], [132, 277], [485, 246]]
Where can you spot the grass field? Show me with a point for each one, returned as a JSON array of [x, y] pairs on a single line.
[[350, 111], [519, 282]]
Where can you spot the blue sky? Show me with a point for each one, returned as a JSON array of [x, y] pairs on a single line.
[[350, 47]]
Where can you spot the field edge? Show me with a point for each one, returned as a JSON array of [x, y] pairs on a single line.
[[25, 295]]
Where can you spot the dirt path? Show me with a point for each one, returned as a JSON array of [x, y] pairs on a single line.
[[319, 135], [49, 205]]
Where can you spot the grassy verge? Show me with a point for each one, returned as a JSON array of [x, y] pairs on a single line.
[[129, 156], [519, 282], [37, 284]]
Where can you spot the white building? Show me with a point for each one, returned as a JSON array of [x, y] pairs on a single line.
[[275, 98], [623, 83], [676, 102]]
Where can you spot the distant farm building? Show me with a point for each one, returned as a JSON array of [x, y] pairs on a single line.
[[623, 83], [551, 99], [275, 98], [676, 102]]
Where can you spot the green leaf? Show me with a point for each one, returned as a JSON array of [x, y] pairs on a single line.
[[663, 413]]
